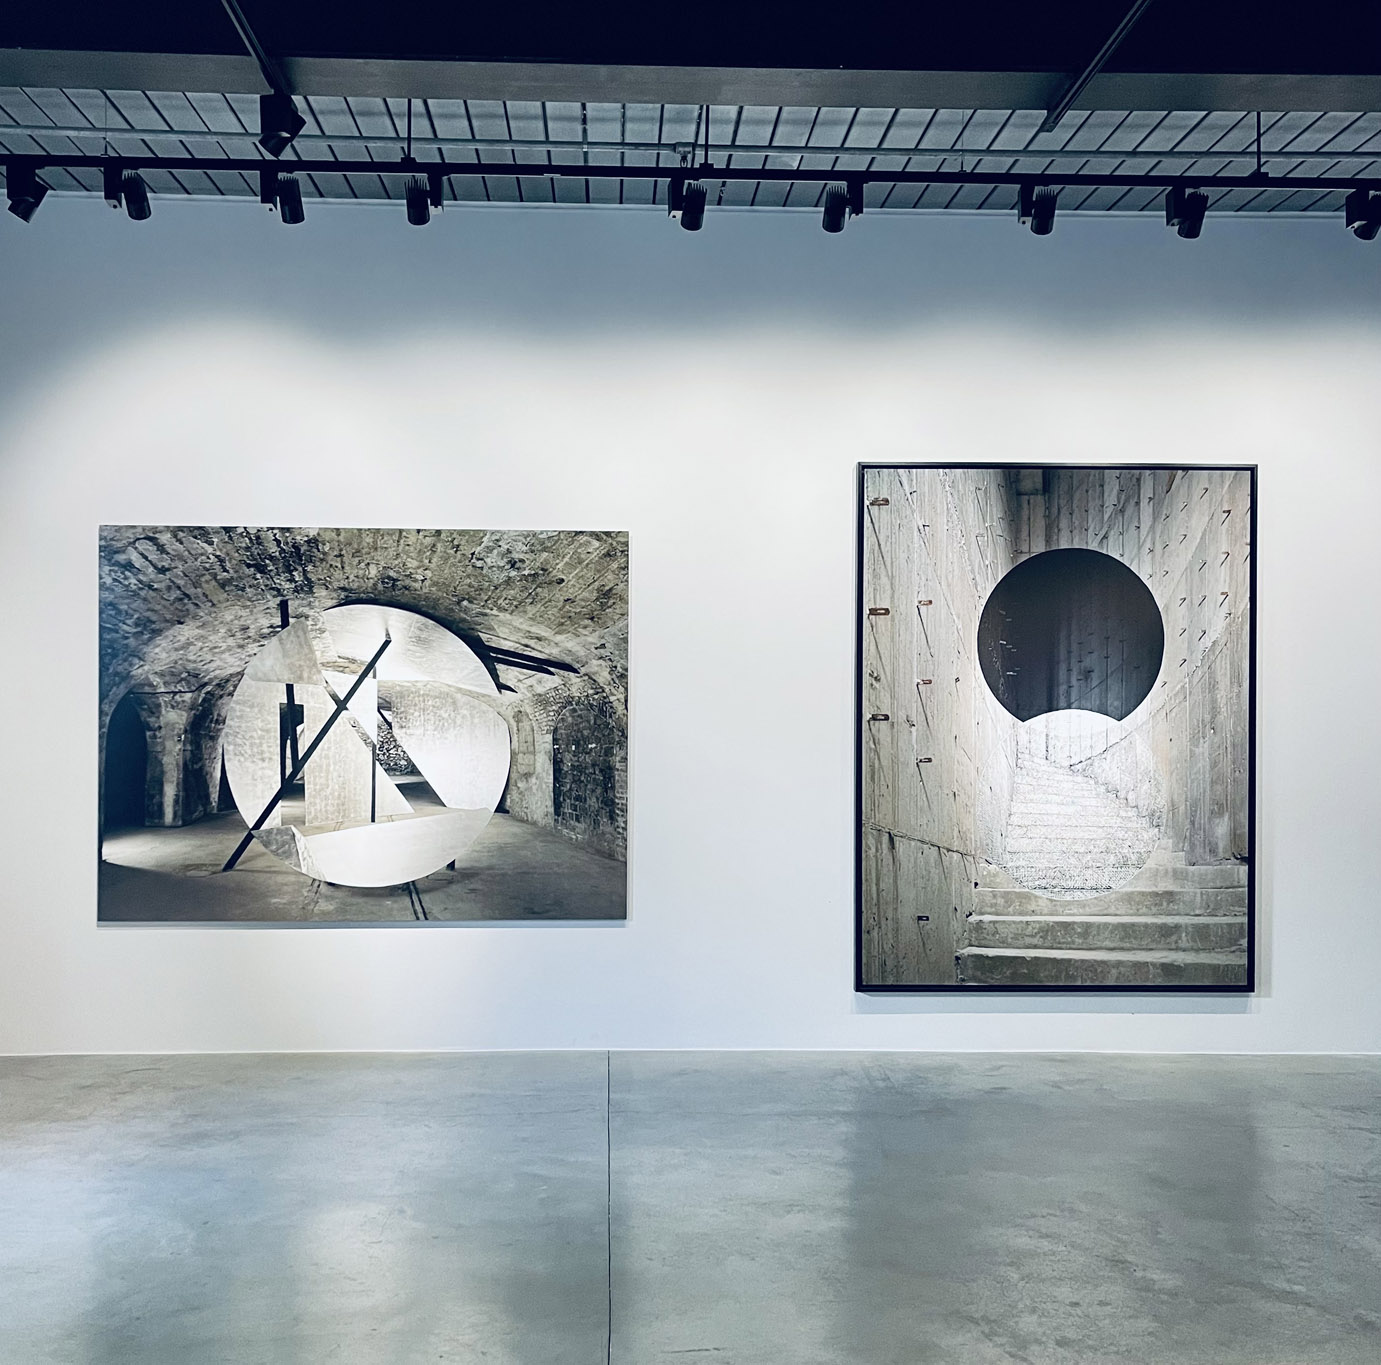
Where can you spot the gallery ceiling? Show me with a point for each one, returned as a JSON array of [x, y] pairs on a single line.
[[531, 133], [929, 109], [1187, 36]]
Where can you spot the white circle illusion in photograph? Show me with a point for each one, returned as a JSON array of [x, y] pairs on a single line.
[[1087, 807], [399, 758]]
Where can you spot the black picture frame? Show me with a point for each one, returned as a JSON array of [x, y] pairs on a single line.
[[861, 984]]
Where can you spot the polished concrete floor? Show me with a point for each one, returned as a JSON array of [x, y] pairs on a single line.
[[748, 1209], [514, 871]]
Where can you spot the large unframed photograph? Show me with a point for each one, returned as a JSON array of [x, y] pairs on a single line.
[[362, 726], [1055, 728]]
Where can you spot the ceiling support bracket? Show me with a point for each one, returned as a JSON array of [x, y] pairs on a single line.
[[279, 118], [1076, 85], [274, 76]]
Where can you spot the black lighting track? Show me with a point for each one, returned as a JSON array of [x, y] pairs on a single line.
[[1252, 180]]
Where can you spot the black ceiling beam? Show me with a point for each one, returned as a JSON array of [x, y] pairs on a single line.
[[1076, 85], [431, 78], [509, 169]]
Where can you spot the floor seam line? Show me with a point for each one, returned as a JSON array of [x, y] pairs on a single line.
[[608, 1211]]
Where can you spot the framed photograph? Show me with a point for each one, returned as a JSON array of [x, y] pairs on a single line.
[[314, 725], [1055, 728]]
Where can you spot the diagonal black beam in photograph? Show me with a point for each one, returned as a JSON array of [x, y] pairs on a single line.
[[501, 662], [302, 762], [539, 664]]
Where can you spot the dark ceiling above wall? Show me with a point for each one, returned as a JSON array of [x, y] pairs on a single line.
[[1332, 37], [924, 107]]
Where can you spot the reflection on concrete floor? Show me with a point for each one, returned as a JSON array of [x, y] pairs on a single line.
[[514, 871], [682, 1208]]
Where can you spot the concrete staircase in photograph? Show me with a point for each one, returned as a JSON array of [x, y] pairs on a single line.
[[1088, 895], [1171, 925], [1068, 835]]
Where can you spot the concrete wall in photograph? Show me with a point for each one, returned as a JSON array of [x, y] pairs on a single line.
[[1187, 533], [938, 752]]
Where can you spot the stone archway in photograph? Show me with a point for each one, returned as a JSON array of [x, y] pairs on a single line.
[[124, 780]]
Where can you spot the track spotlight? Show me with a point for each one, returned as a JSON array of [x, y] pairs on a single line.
[[1036, 208], [290, 199], [23, 189], [279, 122], [136, 197], [693, 208], [424, 195], [281, 192], [1185, 209], [841, 203], [126, 189], [1362, 213], [686, 202], [418, 200], [836, 208]]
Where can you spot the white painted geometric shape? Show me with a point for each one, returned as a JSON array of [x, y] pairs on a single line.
[[250, 747], [461, 745], [394, 851], [388, 799], [419, 649], [287, 658], [336, 777]]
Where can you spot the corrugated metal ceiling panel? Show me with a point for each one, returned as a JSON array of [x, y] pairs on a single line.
[[821, 139]]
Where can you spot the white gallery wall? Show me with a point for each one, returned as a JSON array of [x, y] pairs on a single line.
[[711, 395]]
